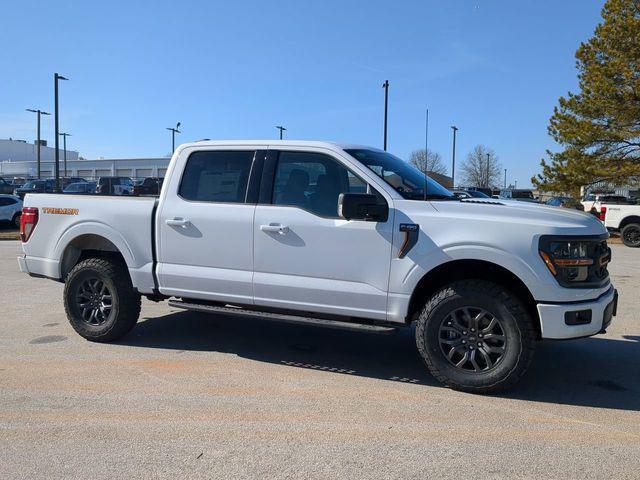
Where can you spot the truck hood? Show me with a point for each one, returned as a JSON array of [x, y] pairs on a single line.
[[502, 214]]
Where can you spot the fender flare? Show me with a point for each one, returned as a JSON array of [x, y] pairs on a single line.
[[96, 229], [511, 262]]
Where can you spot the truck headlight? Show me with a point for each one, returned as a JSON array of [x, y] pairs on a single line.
[[576, 262]]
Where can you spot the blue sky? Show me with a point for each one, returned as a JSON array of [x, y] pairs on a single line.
[[235, 69]]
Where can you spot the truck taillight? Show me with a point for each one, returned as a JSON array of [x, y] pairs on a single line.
[[603, 213], [28, 221]]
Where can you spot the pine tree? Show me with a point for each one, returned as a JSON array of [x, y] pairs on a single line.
[[599, 127]]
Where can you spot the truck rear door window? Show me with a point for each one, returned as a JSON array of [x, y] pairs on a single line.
[[218, 176]]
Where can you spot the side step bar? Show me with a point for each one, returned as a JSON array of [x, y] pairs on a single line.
[[281, 317]]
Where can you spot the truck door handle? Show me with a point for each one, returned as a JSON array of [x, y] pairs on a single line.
[[178, 222], [275, 227]]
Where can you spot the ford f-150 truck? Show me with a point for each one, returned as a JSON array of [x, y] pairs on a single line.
[[624, 219], [333, 235]]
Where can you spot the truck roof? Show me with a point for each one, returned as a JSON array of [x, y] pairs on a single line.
[[276, 143]]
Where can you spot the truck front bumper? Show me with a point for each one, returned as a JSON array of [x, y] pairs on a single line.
[[577, 319]]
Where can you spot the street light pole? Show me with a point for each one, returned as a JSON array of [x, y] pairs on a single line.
[[38, 112], [282, 129], [57, 77], [505, 178], [426, 153], [487, 171], [453, 161], [385, 85], [64, 143], [173, 136]]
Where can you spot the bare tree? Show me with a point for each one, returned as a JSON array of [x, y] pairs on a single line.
[[433, 161], [481, 168]]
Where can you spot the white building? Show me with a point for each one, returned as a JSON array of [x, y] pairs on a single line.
[[18, 159], [20, 150], [89, 169]]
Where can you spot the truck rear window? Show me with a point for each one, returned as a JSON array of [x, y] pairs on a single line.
[[217, 176]]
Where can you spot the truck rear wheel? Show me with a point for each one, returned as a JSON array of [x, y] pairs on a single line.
[[631, 235], [100, 301], [475, 336]]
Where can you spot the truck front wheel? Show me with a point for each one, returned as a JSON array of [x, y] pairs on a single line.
[[631, 235], [475, 336], [100, 301]]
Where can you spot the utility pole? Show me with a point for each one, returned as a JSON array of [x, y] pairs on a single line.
[[64, 143], [487, 171], [385, 85], [57, 77], [426, 153], [505, 178], [173, 136], [282, 129], [39, 112], [453, 162]]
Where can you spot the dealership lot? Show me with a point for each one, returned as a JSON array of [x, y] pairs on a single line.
[[190, 395]]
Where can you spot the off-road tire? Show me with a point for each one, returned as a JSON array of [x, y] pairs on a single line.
[[125, 300], [625, 235], [507, 308]]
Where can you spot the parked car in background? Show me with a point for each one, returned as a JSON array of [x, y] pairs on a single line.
[[5, 187], [592, 202], [521, 195], [10, 209], [114, 186], [469, 194], [624, 219], [487, 191], [81, 187], [35, 186], [148, 186], [565, 202]]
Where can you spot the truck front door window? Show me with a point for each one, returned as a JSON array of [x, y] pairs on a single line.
[[313, 182]]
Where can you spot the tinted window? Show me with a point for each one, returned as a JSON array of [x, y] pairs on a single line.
[[6, 201], [313, 182], [216, 176], [522, 194]]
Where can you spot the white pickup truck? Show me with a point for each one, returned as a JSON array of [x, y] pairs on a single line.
[[333, 235], [624, 219]]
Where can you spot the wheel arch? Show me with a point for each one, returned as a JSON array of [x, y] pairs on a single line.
[[86, 245], [467, 269], [630, 219]]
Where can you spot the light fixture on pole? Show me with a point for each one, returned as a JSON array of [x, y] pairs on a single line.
[[64, 146], [385, 85], [56, 78], [282, 129], [173, 136], [38, 141]]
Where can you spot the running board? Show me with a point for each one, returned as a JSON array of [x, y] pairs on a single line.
[[280, 317]]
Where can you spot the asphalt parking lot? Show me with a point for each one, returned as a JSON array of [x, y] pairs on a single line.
[[188, 395]]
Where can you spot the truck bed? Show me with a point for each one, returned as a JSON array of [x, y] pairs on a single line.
[[68, 220]]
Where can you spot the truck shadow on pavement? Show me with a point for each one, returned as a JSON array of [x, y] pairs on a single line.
[[595, 372]]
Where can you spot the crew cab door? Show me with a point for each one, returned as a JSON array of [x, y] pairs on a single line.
[[205, 226], [307, 257]]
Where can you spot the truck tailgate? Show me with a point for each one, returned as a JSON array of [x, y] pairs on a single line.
[[63, 220]]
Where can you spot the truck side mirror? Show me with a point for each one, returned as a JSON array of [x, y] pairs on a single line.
[[362, 206]]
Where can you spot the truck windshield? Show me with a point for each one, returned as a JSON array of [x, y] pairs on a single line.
[[406, 179]]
